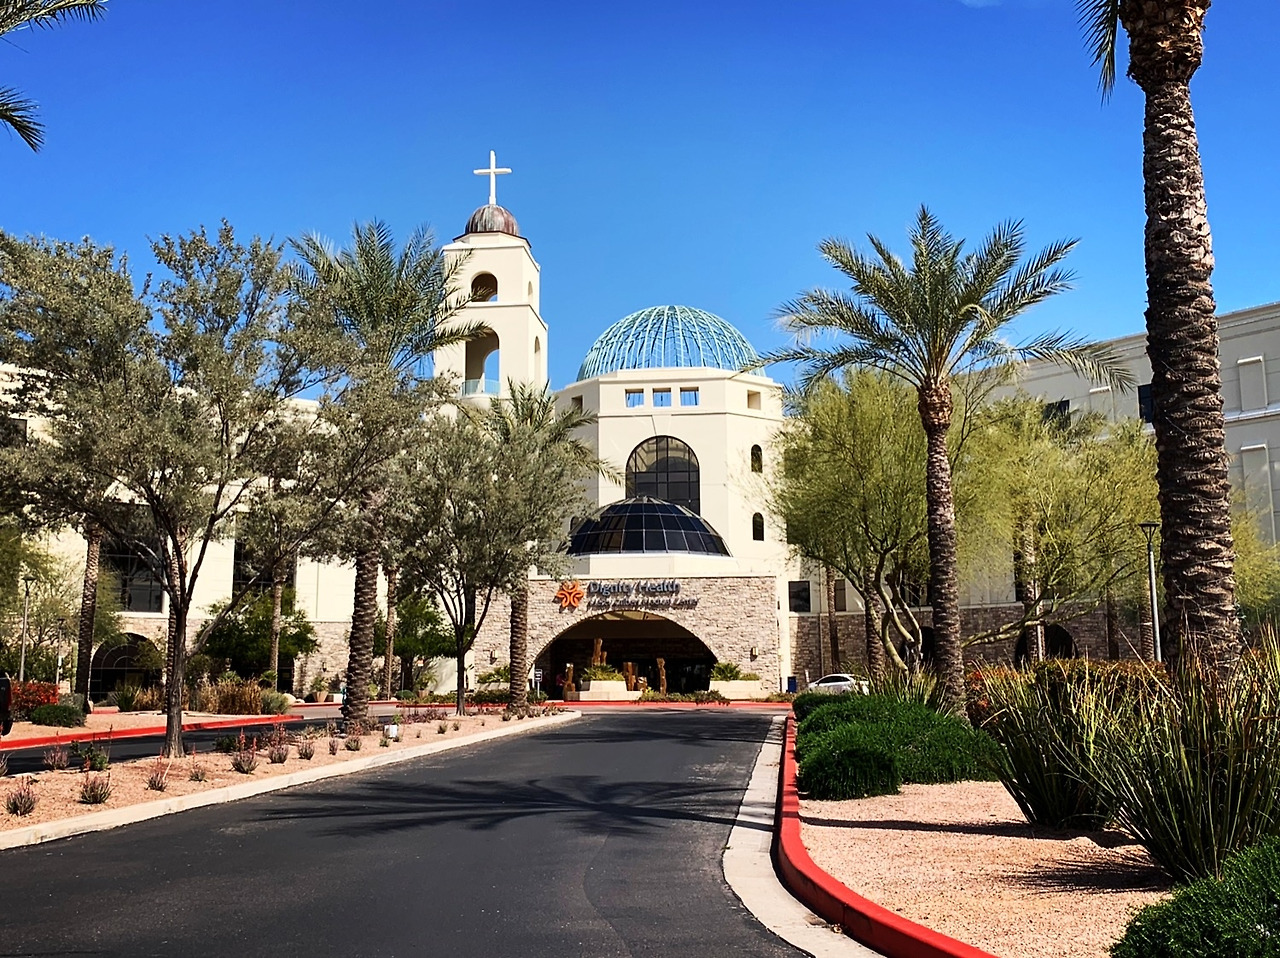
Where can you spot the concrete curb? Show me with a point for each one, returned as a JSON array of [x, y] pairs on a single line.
[[748, 865], [83, 734], [874, 926], [101, 821]]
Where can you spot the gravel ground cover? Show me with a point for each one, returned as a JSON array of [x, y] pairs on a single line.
[[58, 792], [961, 859], [101, 722]]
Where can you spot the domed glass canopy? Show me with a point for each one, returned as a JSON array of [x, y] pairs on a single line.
[[643, 524], [668, 336]]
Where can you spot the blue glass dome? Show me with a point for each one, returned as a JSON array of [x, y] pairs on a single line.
[[667, 336], [644, 524]]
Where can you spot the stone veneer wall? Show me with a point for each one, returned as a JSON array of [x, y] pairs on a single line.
[[1089, 632], [733, 615]]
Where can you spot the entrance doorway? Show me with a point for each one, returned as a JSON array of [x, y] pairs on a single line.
[[640, 638]]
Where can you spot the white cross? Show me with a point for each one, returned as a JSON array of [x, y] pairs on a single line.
[[492, 172]]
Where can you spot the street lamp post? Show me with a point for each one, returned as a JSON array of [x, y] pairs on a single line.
[[62, 634], [26, 607], [1149, 530]]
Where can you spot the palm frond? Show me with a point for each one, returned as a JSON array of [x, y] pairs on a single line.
[[46, 13], [1099, 363], [19, 115], [1100, 20]]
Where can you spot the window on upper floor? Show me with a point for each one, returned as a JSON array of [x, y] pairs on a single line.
[[662, 397], [1253, 382], [1057, 414], [688, 395], [244, 566], [757, 459], [635, 397], [753, 399], [665, 468], [799, 596], [576, 403], [484, 288], [757, 527], [842, 598]]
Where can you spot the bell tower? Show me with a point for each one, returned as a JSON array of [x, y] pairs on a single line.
[[496, 269]]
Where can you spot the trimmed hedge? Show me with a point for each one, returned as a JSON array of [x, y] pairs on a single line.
[[64, 716], [1237, 917], [860, 745]]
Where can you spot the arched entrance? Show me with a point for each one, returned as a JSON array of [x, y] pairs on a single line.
[[132, 661], [638, 637]]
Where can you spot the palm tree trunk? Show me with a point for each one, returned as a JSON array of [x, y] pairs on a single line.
[[520, 647], [277, 616], [355, 704], [1196, 550], [944, 594], [88, 606], [388, 667]]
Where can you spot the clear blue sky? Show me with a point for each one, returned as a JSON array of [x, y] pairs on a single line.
[[663, 152]]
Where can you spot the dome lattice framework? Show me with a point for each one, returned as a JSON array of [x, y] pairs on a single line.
[[644, 524], [668, 336]]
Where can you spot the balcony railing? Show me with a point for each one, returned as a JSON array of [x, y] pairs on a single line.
[[480, 387]]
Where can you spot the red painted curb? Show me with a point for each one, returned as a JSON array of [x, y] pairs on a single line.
[[81, 735], [874, 926]]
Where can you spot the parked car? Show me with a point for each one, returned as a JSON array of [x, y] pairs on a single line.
[[841, 682]]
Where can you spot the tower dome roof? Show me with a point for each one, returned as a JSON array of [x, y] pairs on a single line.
[[493, 218], [668, 336], [645, 524]]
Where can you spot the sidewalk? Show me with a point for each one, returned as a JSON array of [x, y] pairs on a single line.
[[117, 725]]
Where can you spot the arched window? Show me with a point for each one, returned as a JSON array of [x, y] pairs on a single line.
[[757, 526], [484, 288], [757, 459], [665, 468]]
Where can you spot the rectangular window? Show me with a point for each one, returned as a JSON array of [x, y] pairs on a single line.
[[662, 397], [576, 403], [243, 569], [140, 587], [1256, 463], [753, 399], [798, 599], [842, 600], [1146, 405], [1101, 401], [1253, 383], [1057, 413], [635, 397], [688, 395]]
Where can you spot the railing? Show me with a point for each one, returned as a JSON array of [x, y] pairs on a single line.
[[480, 387]]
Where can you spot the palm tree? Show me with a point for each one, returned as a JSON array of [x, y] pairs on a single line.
[[16, 111], [1196, 549], [528, 421], [375, 315], [933, 323]]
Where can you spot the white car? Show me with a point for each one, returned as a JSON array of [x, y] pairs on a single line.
[[841, 682]]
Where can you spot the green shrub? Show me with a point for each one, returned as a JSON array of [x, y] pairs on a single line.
[[725, 672], [274, 703], [697, 698], [234, 696], [850, 761], [1048, 737], [1194, 770], [1237, 917], [500, 673], [806, 702], [125, 697], [920, 688], [601, 673], [66, 716], [927, 747]]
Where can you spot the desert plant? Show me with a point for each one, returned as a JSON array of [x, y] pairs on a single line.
[[306, 749], [353, 743], [506, 717], [148, 700], [95, 789], [1197, 778], [198, 771], [245, 758], [25, 696], [442, 728], [497, 674], [124, 697], [158, 774], [1236, 917], [235, 696], [21, 800], [384, 741], [274, 703], [594, 673], [278, 754], [456, 726], [849, 762], [4, 763], [725, 672], [64, 716], [225, 744], [333, 746], [89, 756]]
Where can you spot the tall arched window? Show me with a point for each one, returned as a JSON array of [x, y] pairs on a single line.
[[757, 459], [665, 468], [757, 527]]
